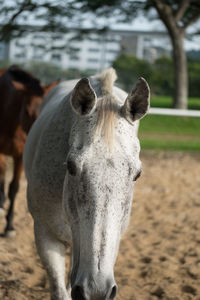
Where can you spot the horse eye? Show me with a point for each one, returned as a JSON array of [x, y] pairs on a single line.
[[138, 175], [71, 167]]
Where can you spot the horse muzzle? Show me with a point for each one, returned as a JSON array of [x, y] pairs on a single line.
[[94, 289]]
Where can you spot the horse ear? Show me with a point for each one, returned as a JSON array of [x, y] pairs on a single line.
[[138, 101], [83, 98], [48, 87], [18, 85]]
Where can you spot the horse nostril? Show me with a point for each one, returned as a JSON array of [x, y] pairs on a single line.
[[78, 293], [113, 292]]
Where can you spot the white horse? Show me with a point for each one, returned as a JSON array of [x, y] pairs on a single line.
[[81, 159]]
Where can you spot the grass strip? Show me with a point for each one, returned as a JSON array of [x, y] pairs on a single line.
[[167, 102], [170, 145]]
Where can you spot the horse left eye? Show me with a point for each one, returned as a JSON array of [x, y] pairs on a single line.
[[138, 175]]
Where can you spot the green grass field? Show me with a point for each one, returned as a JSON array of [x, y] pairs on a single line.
[[166, 102], [170, 133]]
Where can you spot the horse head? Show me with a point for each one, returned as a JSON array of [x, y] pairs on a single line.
[[30, 104], [31, 94], [102, 165]]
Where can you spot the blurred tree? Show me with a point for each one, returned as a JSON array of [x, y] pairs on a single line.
[[159, 74], [17, 17], [129, 68], [48, 15], [49, 72], [162, 77], [193, 75], [177, 16], [193, 55]]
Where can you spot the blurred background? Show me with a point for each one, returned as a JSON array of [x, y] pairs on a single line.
[[159, 40]]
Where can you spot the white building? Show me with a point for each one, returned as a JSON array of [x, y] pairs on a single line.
[[93, 52]]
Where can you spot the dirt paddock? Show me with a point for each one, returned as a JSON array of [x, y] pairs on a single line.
[[159, 256]]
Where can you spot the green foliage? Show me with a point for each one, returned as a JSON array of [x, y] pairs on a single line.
[[194, 77], [161, 101], [48, 72], [162, 79], [4, 64], [167, 102], [129, 69], [159, 74], [193, 55]]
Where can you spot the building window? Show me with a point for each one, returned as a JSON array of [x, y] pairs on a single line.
[[56, 56], [113, 51], [110, 62], [110, 40], [38, 46], [57, 37], [74, 57], [37, 57], [93, 60], [20, 55], [19, 45], [37, 36], [94, 39], [93, 50]]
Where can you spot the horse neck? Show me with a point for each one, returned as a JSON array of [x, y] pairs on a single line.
[[10, 106]]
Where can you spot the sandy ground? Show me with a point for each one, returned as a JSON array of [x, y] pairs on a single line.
[[159, 256]]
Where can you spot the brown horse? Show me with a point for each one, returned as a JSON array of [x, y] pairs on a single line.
[[21, 96]]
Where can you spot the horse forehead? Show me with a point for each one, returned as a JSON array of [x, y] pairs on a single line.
[[85, 127], [94, 152]]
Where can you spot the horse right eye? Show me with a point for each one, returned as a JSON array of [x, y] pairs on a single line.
[[138, 175], [71, 167]]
